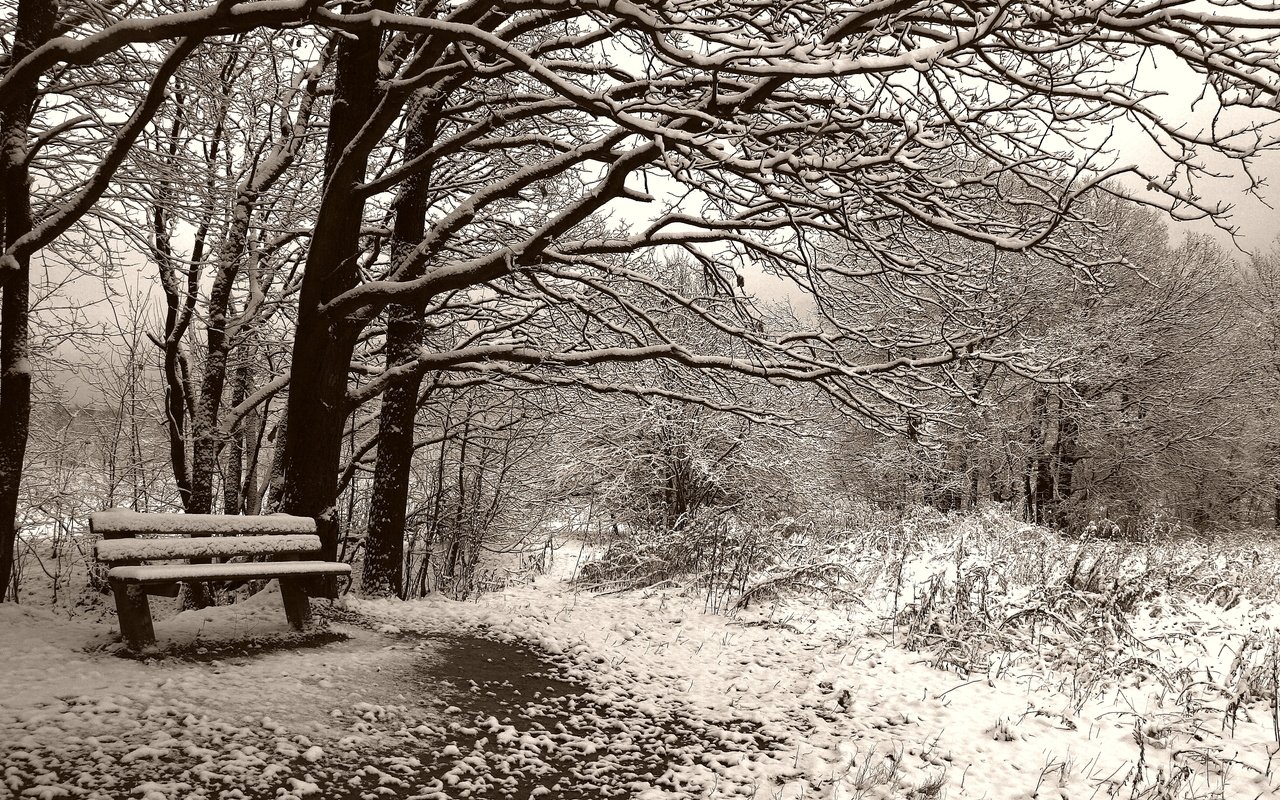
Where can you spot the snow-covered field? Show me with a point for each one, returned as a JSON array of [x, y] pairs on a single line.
[[640, 694]]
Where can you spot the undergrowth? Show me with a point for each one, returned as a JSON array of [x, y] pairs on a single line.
[[1166, 630], [988, 594]]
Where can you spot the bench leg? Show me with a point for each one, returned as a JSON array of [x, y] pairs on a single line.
[[297, 608], [195, 595], [134, 613]]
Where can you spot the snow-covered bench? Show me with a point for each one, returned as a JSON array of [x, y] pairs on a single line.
[[130, 540]]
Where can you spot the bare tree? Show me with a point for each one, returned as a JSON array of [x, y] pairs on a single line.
[[577, 143], [41, 49], [222, 156], [888, 129]]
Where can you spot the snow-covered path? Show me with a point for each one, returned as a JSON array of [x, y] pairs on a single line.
[[543, 691], [96, 725], [435, 712]]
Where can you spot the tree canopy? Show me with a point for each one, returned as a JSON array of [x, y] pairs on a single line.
[[496, 191]]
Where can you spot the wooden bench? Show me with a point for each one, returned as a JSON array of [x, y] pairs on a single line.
[[130, 540]]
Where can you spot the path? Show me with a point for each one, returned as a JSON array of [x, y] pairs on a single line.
[[399, 715]]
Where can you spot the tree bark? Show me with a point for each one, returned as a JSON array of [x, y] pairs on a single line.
[[322, 348], [384, 541], [206, 435], [1067, 455], [35, 25], [233, 498], [254, 431], [1040, 466]]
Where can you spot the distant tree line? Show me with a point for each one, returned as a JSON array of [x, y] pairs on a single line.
[[1160, 404]]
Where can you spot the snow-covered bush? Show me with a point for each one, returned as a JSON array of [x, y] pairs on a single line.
[[996, 596], [700, 497]]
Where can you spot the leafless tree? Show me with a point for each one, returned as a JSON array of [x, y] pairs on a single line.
[[575, 144]]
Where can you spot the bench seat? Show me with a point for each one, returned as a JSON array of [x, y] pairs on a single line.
[[134, 523], [168, 573], [160, 549]]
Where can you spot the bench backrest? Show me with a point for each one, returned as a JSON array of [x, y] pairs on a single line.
[[181, 536]]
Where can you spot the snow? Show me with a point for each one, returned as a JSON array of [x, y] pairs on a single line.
[[118, 520], [20, 367], [791, 699], [204, 547], [166, 573]]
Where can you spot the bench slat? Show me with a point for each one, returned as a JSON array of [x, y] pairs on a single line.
[[121, 521], [164, 573], [205, 547]]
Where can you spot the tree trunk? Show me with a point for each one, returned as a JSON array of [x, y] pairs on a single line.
[[322, 348], [252, 487], [1067, 455], [206, 435], [34, 25], [273, 490], [1040, 466], [233, 500], [15, 413], [384, 542]]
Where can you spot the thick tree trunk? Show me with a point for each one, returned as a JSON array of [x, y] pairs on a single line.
[[384, 541], [322, 348], [15, 413], [34, 25]]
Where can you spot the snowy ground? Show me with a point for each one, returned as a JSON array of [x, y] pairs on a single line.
[[637, 694]]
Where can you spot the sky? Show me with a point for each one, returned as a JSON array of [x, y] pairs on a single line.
[[1181, 103], [1256, 218]]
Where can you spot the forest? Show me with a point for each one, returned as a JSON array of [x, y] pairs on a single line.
[[446, 276], [783, 399]]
